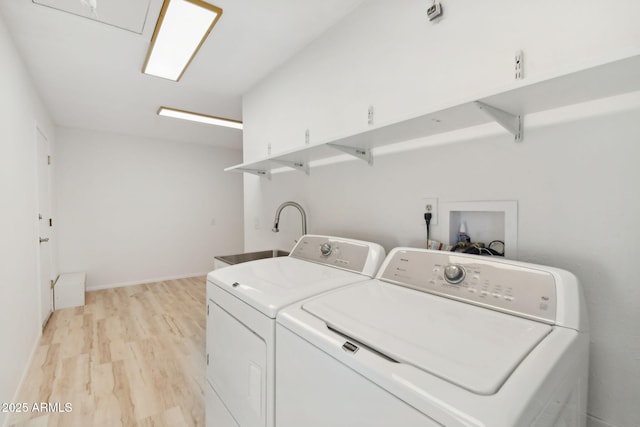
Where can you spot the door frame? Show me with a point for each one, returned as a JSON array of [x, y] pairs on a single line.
[[44, 285]]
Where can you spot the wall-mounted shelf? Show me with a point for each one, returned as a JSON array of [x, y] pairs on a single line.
[[506, 107]]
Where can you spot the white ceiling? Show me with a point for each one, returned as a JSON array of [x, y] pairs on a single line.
[[88, 73]]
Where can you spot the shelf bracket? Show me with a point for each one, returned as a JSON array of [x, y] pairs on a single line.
[[511, 122], [304, 167], [258, 172], [361, 153]]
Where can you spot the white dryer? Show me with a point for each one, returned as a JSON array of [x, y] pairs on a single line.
[[437, 339], [242, 303]]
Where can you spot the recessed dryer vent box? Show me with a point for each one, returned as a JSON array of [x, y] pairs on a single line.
[[485, 221]]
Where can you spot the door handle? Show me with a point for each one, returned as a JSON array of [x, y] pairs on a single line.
[[46, 239]]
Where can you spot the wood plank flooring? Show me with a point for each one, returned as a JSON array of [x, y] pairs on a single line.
[[132, 356]]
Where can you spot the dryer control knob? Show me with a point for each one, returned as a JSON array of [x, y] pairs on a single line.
[[454, 273], [326, 249]]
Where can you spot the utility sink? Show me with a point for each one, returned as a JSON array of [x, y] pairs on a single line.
[[251, 256]]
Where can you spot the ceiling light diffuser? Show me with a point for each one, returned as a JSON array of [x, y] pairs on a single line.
[[182, 28], [201, 118]]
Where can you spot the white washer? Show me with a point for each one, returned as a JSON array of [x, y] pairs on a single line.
[[242, 303], [437, 339]]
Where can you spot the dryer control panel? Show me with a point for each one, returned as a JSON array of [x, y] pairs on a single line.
[[490, 282], [348, 254]]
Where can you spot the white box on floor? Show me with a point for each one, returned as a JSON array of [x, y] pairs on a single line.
[[69, 290]]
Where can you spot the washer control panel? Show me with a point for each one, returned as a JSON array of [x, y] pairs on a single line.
[[353, 255], [485, 281]]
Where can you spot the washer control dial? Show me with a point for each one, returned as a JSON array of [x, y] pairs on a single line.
[[326, 249], [454, 273]]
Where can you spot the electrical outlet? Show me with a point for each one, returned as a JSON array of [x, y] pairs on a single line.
[[430, 205]]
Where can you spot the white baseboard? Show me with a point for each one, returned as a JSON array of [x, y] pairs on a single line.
[[25, 371], [595, 422], [142, 282]]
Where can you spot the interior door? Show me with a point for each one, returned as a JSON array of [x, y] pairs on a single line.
[[44, 229]]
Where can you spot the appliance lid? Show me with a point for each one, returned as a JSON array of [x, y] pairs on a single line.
[[271, 284], [472, 347]]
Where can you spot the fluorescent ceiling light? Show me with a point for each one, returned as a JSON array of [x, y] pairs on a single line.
[[181, 29], [202, 118]]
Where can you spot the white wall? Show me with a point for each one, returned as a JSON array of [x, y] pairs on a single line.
[[133, 210], [575, 181], [21, 111]]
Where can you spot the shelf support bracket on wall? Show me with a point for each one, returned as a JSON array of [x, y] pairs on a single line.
[[511, 122], [304, 167], [361, 153], [258, 172]]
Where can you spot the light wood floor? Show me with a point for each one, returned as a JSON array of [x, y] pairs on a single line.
[[132, 356]]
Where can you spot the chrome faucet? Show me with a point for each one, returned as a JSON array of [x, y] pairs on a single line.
[[295, 205]]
